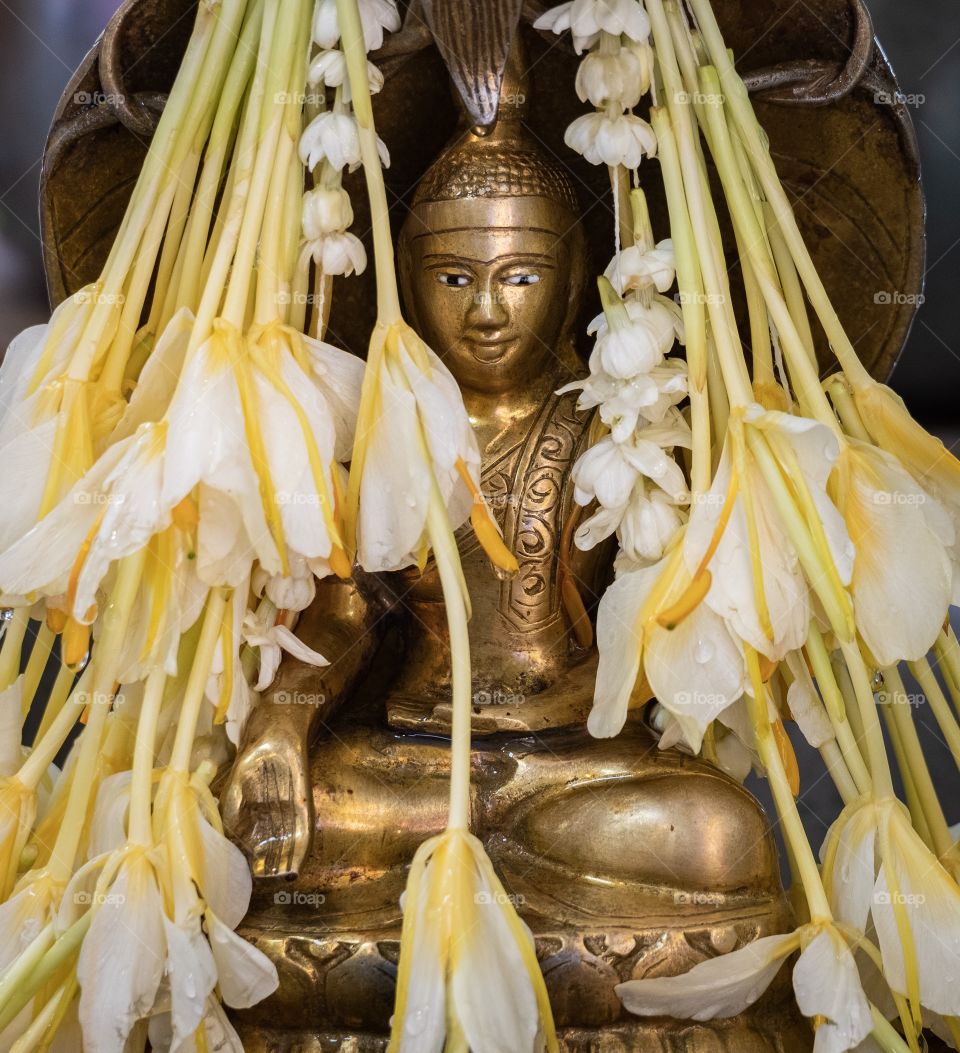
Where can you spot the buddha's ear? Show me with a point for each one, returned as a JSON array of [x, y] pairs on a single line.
[[575, 244]]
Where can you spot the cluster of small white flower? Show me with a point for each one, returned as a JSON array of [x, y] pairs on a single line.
[[331, 141], [614, 76], [631, 472]]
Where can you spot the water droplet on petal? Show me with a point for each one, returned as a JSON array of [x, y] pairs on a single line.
[[703, 651]]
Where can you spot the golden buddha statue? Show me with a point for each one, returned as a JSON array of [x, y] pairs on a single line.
[[625, 860]]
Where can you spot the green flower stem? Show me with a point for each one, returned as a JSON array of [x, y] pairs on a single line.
[[285, 74], [194, 693], [354, 50], [839, 772], [12, 647], [222, 137], [885, 1035], [141, 781], [451, 579], [57, 697], [836, 709], [790, 283], [939, 704], [29, 981], [702, 215], [690, 284], [36, 664], [948, 657], [219, 258], [116, 618], [22, 966], [873, 734], [198, 81], [898, 707], [846, 408], [914, 804], [756, 145], [803, 373], [52, 738], [793, 832]]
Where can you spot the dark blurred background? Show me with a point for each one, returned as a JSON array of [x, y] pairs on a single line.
[[42, 42]]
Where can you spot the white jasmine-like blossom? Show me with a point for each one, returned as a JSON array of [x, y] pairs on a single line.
[[193, 471], [464, 949], [334, 138], [330, 69], [650, 522], [758, 583], [633, 268], [645, 525], [341, 253], [695, 668], [375, 17], [638, 345], [903, 573], [608, 471], [28, 418], [621, 140], [623, 403], [599, 325], [825, 981], [326, 210], [586, 19], [421, 403], [877, 867], [622, 78], [271, 638]]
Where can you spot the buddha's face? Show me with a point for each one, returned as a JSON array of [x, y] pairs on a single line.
[[491, 302]]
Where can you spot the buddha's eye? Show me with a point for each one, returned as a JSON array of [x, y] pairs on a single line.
[[453, 280], [522, 279]]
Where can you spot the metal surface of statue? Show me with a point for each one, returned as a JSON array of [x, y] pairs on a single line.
[[625, 861]]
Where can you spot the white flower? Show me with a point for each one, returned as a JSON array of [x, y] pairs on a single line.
[[623, 403], [330, 69], [28, 419], [326, 210], [649, 524], [623, 78], [122, 958], [825, 981], [902, 574], [464, 951], [622, 140], [334, 138], [586, 19], [248, 425], [341, 253], [876, 866], [271, 639], [608, 471], [758, 583], [633, 268], [695, 668], [375, 17], [422, 433], [636, 347]]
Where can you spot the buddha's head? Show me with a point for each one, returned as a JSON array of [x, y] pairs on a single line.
[[492, 258]]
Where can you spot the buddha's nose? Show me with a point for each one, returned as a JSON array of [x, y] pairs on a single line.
[[488, 310]]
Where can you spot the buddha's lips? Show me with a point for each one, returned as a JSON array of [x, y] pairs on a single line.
[[489, 351]]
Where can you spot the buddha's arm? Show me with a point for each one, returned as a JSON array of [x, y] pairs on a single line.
[[266, 802]]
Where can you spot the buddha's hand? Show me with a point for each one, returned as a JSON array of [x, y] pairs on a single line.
[[266, 802]]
